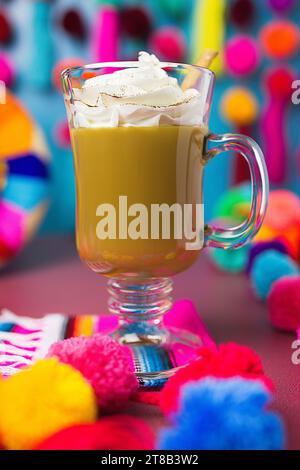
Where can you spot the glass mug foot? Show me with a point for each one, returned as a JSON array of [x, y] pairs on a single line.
[[156, 349]]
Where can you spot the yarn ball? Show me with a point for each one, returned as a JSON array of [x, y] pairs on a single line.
[[241, 55], [239, 106], [62, 134], [267, 268], [6, 32], [235, 203], [73, 24], [233, 261], [168, 43], [283, 210], [279, 81], [136, 22], [284, 304], [227, 414], [104, 364], [7, 71], [280, 39], [42, 400], [119, 432], [175, 8], [260, 247], [242, 12], [228, 361], [281, 6], [60, 66]]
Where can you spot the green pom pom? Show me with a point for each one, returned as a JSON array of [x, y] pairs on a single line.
[[175, 8], [235, 204], [232, 261]]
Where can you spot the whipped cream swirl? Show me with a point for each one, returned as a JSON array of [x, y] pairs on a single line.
[[139, 96]]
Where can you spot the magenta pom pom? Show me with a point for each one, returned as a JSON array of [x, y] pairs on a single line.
[[284, 304], [281, 6], [241, 55], [7, 73], [104, 364], [168, 43]]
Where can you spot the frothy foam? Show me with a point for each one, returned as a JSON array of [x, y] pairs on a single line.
[[141, 96]]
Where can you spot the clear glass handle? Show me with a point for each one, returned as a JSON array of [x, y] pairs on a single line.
[[236, 237]]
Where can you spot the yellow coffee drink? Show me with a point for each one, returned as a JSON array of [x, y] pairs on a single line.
[[149, 166]]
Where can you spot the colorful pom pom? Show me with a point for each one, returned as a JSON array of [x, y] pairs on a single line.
[[42, 400], [260, 247], [104, 364], [7, 72], [6, 32], [281, 6], [280, 39], [239, 106], [241, 55], [242, 12], [233, 261], [284, 304], [229, 414], [168, 43], [235, 203], [60, 66], [73, 24], [136, 22], [267, 268], [230, 360], [120, 432], [283, 210]]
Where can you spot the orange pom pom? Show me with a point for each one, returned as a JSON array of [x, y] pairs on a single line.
[[239, 106], [280, 39]]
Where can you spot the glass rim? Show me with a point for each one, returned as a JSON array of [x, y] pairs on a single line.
[[131, 64]]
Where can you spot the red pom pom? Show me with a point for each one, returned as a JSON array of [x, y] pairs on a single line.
[[6, 32], [242, 12], [169, 44], [118, 432], [136, 22], [229, 361], [7, 72], [284, 304], [279, 81], [104, 364], [73, 24]]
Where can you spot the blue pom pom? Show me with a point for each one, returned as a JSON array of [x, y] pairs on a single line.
[[233, 261], [227, 414], [267, 268]]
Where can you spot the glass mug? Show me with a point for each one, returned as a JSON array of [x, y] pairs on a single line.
[[140, 211]]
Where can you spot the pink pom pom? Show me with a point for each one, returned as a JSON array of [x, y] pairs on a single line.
[[105, 365], [62, 134], [169, 44], [241, 55], [7, 73], [284, 304]]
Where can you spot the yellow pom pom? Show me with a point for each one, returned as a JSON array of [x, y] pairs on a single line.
[[239, 106], [40, 401]]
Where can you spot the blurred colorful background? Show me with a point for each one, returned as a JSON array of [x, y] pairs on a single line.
[[259, 59]]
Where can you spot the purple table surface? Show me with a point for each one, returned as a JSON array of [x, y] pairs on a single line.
[[48, 277]]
